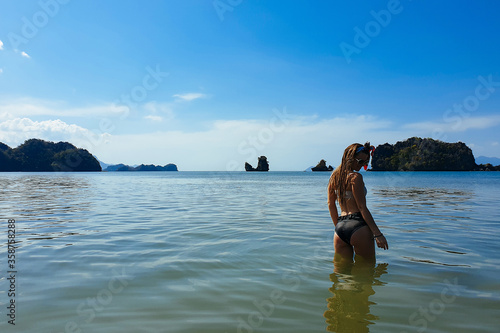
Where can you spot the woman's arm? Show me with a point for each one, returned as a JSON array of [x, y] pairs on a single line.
[[358, 191], [332, 207]]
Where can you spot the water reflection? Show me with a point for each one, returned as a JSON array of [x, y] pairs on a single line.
[[425, 196], [45, 205], [349, 307]]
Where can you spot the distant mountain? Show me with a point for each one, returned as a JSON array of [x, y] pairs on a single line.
[[39, 155], [114, 167], [487, 160], [101, 163], [142, 167]]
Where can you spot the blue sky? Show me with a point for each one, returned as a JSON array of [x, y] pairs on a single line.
[[208, 85]]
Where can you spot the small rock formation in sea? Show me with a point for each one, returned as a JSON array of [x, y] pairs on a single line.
[[263, 165], [487, 167], [487, 160], [321, 166]]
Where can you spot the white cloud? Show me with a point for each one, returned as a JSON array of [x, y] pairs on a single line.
[[5, 116], [456, 124], [1, 70], [290, 142], [163, 109], [293, 144], [1, 45], [154, 118], [34, 107], [14, 131], [190, 96], [25, 55], [158, 112], [29, 107], [96, 110]]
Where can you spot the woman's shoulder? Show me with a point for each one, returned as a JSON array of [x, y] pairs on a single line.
[[355, 177]]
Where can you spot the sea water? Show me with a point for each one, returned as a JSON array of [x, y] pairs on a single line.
[[244, 252]]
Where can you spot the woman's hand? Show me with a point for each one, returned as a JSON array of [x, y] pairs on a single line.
[[382, 242]]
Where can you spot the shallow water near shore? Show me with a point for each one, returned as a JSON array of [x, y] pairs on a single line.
[[246, 252]]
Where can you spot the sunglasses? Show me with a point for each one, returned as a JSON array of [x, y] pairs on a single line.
[[362, 162]]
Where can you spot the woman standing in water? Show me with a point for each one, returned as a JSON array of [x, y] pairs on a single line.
[[355, 228]]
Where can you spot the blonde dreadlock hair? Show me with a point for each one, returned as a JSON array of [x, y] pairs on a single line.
[[338, 179]]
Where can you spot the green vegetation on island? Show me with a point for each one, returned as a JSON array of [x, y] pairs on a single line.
[[413, 154], [417, 154], [142, 167], [40, 155]]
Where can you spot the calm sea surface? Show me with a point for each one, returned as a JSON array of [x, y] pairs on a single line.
[[245, 252]]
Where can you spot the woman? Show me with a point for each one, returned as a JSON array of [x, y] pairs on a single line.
[[355, 228]]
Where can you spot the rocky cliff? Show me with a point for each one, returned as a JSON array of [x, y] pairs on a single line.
[[263, 165], [417, 154], [321, 166]]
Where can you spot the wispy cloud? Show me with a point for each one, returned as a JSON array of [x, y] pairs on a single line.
[[158, 112], [190, 96], [156, 119], [35, 107], [294, 144], [291, 143], [25, 55], [27, 107], [456, 124], [14, 131], [1, 45], [5, 116]]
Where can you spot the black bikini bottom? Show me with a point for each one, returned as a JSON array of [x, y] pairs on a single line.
[[348, 224]]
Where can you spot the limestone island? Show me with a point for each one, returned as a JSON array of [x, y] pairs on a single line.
[[142, 167], [36, 155], [321, 166], [417, 154], [262, 165]]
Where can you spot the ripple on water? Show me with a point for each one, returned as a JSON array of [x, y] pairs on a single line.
[[189, 252]]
